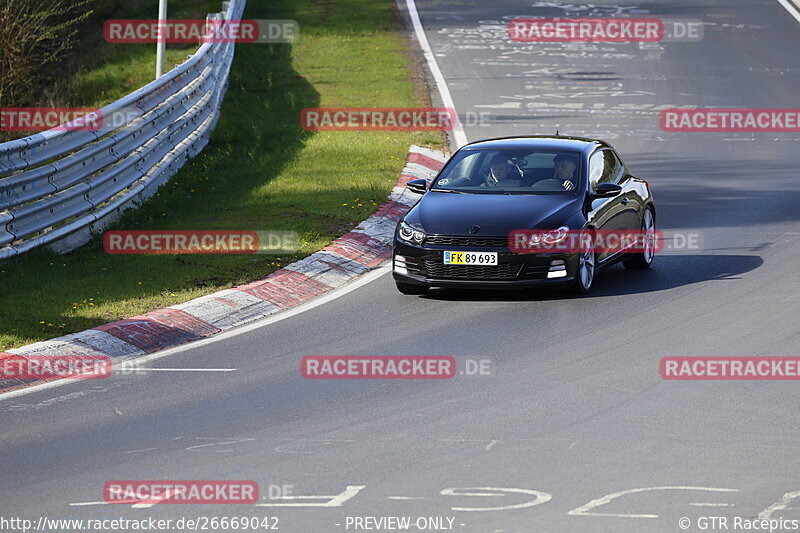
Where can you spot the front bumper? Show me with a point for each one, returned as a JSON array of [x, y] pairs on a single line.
[[423, 265]]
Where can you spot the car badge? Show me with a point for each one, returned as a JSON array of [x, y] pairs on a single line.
[[474, 229]]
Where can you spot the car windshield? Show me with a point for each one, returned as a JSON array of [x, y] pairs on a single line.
[[529, 171]]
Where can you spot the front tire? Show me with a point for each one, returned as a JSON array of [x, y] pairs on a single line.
[[587, 268], [410, 288], [644, 260]]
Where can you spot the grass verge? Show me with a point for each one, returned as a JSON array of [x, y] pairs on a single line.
[[261, 171]]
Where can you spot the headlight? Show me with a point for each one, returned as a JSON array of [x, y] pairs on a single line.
[[556, 236], [412, 235]]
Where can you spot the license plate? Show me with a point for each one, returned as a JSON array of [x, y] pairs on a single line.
[[470, 258]]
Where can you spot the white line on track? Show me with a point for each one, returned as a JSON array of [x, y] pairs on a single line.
[[447, 100], [334, 294], [794, 10], [140, 369]]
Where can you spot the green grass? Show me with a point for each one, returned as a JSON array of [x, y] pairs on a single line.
[[107, 72], [261, 171]]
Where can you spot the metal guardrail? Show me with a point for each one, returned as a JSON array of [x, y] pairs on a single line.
[[60, 186]]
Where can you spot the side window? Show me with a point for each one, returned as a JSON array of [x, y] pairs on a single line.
[[596, 165], [604, 167], [611, 167]]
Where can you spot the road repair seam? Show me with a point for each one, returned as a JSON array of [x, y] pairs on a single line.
[[352, 255]]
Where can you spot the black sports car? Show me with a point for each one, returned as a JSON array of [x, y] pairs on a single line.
[[460, 232]]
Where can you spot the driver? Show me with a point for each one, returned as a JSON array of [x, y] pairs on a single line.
[[500, 170], [565, 166]]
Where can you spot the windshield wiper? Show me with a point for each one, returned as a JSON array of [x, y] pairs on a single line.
[[451, 190]]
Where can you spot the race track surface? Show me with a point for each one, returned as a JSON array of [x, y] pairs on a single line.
[[574, 409]]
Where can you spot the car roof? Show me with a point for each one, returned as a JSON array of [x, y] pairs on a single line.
[[558, 142]]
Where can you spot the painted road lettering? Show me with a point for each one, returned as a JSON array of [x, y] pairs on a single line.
[[336, 500], [585, 510], [539, 497]]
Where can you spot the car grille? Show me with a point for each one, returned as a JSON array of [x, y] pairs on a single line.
[[455, 240], [438, 270]]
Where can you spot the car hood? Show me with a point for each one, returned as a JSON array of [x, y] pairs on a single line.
[[441, 213]]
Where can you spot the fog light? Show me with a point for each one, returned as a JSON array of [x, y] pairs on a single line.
[[400, 265], [557, 269]]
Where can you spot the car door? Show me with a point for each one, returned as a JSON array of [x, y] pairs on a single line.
[[631, 201], [607, 214]]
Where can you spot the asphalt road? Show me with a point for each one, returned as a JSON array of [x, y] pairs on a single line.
[[574, 410]]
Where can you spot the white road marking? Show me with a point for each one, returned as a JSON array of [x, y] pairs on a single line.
[[504, 105], [309, 445], [711, 504], [541, 497], [142, 450], [139, 369], [333, 501], [322, 300], [447, 100], [780, 505], [793, 11], [130, 498], [583, 510], [492, 442], [224, 440], [146, 504], [56, 399]]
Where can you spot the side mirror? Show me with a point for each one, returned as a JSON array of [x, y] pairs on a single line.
[[418, 186], [607, 190]]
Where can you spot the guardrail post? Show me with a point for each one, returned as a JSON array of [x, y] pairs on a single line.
[[162, 37]]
